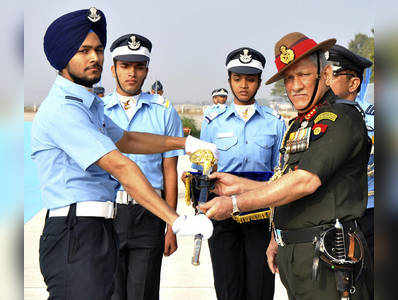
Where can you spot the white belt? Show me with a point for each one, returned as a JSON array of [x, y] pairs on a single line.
[[106, 210], [122, 197]]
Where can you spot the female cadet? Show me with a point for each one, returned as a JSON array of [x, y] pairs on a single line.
[[248, 137]]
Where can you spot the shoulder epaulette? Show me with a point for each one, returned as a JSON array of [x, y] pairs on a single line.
[[73, 98], [370, 110], [214, 114], [352, 103], [271, 111], [160, 100]]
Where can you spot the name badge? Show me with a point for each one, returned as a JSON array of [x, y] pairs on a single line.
[[225, 134]]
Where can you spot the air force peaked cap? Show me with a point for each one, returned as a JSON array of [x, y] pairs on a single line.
[[131, 47], [343, 59], [66, 34], [220, 92], [245, 61]]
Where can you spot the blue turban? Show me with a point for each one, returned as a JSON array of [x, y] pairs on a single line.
[[66, 34]]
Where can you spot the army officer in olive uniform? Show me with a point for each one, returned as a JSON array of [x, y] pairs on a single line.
[[320, 184]]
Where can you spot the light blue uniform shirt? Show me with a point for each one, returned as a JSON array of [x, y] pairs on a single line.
[[69, 134], [251, 146], [154, 115], [214, 108], [368, 108]]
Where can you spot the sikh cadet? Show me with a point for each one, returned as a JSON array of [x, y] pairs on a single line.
[[78, 153], [346, 82], [157, 88], [219, 97], [142, 238], [248, 136], [319, 191]]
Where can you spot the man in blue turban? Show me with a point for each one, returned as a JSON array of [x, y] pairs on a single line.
[[77, 148]]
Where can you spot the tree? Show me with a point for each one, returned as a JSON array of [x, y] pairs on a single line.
[[364, 45], [278, 89], [190, 123]]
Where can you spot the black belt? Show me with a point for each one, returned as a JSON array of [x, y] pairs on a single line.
[[306, 235]]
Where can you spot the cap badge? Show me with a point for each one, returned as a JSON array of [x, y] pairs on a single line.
[[287, 55], [93, 15], [133, 44], [245, 57]]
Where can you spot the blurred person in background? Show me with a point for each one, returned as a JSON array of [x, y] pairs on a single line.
[[219, 97], [157, 88], [99, 91]]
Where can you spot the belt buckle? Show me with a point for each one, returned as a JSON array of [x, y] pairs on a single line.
[[278, 237], [111, 208]]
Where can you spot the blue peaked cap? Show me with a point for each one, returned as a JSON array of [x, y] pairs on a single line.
[[66, 34]]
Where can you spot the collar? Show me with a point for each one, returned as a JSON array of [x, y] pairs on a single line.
[[143, 98], [328, 97], [231, 110], [76, 90]]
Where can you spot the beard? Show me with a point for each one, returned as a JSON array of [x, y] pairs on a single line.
[[85, 80]]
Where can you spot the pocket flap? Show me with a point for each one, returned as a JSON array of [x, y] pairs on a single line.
[[225, 143]]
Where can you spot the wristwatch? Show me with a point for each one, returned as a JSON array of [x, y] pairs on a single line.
[[235, 209]]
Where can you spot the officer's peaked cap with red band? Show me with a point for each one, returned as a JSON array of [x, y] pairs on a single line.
[[293, 47]]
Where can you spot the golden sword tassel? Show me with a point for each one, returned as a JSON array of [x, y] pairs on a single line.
[[204, 158]]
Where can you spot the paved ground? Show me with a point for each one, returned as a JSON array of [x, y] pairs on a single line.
[[179, 279]]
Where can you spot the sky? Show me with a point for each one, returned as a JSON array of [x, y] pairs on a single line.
[[192, 39]]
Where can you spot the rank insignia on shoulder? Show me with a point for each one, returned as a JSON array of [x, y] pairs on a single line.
[[318, 130], [370, 110], [73, 98], [211, 116], [326, 116], [162, 101]]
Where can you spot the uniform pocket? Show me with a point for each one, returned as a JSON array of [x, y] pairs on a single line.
[[264, 141], [225, 143], [48, 251]]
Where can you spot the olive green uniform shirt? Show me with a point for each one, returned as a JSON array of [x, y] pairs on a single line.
[[338, 156]]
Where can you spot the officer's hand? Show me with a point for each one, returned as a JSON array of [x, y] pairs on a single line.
[[271, 255], [192, 144], [170, 242], [192, 225], [219, 208], [227, 184]]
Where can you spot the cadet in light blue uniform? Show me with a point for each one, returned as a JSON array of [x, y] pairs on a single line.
[[348, 71], [76, 148], [248, 136], [219, 97], [142, 238], [369, 111]]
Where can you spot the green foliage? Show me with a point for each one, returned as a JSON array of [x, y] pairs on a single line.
[[364, 45], [188, 122], [278, 89]]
